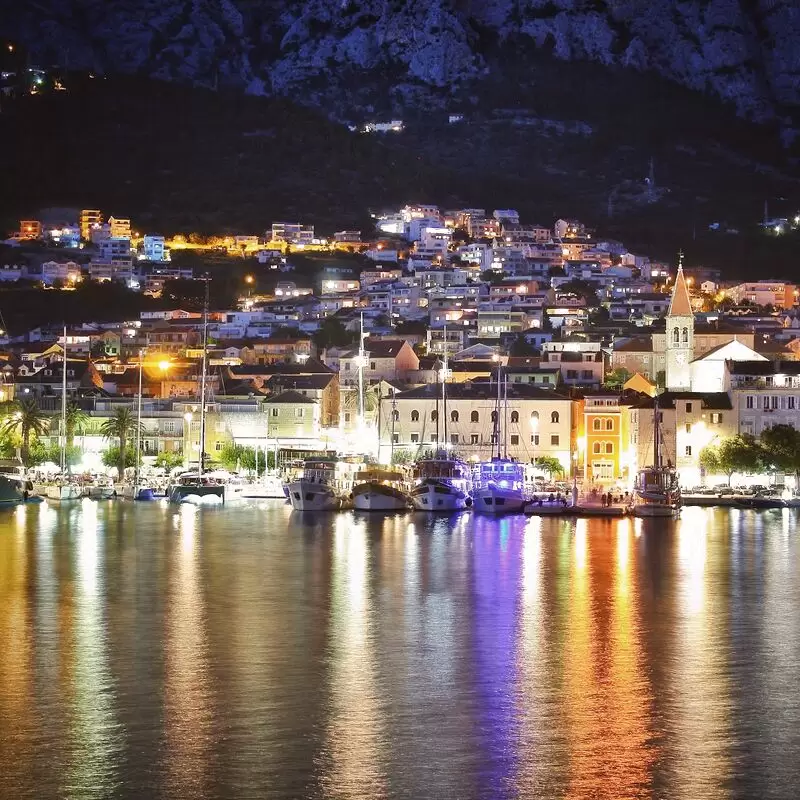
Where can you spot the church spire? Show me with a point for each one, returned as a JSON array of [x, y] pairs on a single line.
[[680, 305]]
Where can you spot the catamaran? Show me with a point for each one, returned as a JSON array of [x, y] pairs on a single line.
[[656, 491], [499, 484]]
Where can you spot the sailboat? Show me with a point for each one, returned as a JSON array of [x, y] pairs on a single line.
[[498, 484], [379, 489], [199, 487], [443, 482], [656, 492], [63, 489], [138, 490]]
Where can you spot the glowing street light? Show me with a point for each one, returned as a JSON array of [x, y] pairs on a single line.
[[164, 365]]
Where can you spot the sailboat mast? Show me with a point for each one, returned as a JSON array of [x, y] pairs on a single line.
[[391, 443], [444, 387], [380, 399], [656, 435], [505, 416], [63, 436], [496, 426], [361, 372], [139, 420], [203, 382]]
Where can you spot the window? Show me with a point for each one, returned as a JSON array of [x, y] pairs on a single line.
[[415, 416], [514, 439], [685, 335], [596, 448], [434, 437], [587, 374], [474, 438], [554, 417], [609, 448], [396, 438], [434, 415], [396, 415], [534, 418], [688, 408], [473, 417], [749, 401], [597, 424], [347, 416], [554, 440], [572, 374], [775, 402], [535, 439], [688, 427], [515, 416], [347, 366], [299, 413], [453, 438], [454, 416], [274, 412], [494, 416], [676, 336], [789, 404], [609, 424], [688, 450], [169, 427], [372, 365], [218, 446], [414, 438]]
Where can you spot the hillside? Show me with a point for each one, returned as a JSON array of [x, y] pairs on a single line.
[[185, 159]]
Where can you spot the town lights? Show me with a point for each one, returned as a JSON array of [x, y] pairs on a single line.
[[163, 365]]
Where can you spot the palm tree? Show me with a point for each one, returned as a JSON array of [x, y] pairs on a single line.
[[76, 422], [121, 425], [27, 419]]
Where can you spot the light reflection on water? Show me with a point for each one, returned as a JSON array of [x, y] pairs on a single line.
[[156, 651]]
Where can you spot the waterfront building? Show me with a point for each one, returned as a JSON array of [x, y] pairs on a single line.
[[540, 421]]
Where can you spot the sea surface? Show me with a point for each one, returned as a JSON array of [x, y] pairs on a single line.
[[155, 651]]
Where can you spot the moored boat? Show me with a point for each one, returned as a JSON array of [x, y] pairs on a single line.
[[195, 488], [63, 490], [380, 490], [102, 489], [442, 484], [656, 491], [318, 488], [14, 489], [498, 487]]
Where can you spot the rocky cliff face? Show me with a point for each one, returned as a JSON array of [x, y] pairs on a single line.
[[745, 51]]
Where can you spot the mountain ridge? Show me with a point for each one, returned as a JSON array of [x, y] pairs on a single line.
[[743, 52]]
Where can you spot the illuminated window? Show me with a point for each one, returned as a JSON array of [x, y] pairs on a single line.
[[554, 417], [609, 424], [609, 448], [535, 439], [596, 448], [474, 438], [596, 425]]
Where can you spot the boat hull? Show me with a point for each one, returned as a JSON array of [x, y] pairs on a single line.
[[307, 496], [495, 500], [655, 510], [65, 492], [439, 497], [196, 494], [368, 497], [11, 492], [102, 492], [547, 509]]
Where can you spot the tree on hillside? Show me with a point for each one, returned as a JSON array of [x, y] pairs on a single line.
[[27, 420], [617, 378], [582, 289], [781, 445], [332, 333]]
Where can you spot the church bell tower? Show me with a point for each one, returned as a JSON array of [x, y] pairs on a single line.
[[680, 335]]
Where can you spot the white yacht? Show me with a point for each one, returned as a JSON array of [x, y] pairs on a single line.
[[442, 484], [318, 488]]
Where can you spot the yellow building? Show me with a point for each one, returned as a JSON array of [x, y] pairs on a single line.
[[605, 437]]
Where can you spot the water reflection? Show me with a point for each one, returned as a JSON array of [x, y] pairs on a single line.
[[354, 755], [187, 692], [149, 651]]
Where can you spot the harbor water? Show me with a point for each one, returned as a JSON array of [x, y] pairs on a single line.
[[158, 651]]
